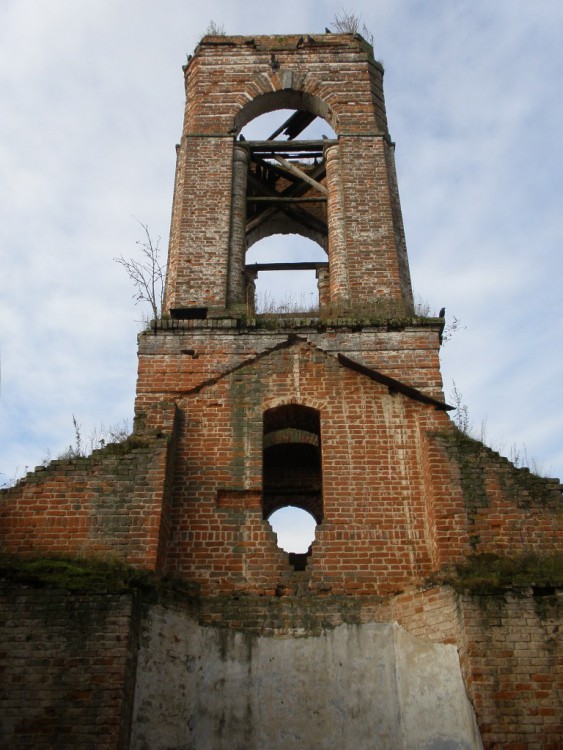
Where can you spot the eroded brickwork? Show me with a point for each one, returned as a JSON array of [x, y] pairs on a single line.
[[513, 660], [68, 664], [111, 504], [507, 510]]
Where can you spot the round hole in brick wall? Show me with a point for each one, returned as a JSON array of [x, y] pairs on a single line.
[[295, 528]]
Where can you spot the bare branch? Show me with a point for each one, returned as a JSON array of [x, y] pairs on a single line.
[[346, 22], [461, 417], [451, 328], [146, 273]]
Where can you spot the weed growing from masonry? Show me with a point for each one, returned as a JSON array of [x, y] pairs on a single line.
[[81, 447], [516, 454], [214, 29], [346, 22], [266, 304], [99, 437]]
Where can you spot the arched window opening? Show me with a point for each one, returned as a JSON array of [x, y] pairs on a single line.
[[286, 124], [292, 465], [285, 271], [286, 193], [286, 100]]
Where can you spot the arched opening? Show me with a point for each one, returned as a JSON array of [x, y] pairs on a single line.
[[292, 465], [285, 99], [283, 148], [274, 123], [292, 286]]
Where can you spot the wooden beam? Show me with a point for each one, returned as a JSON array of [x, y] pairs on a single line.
[[306, 266], [274, 146], [291, 191], [274, 168], [295, 124], [299, 173], [282, 199]]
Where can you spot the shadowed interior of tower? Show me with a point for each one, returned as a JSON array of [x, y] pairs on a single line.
[[292, 467]]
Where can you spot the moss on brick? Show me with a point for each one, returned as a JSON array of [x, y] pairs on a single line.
[[88, 576], [475, 459], [494, 574], [299, 616], [131, 443]]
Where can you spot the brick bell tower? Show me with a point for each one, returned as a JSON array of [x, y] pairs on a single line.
[[328, 412], [230, 193], [365, 640]]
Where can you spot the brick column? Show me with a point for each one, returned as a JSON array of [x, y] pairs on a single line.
[[323, 285], [250, 291], [237, 237], [337, 255]]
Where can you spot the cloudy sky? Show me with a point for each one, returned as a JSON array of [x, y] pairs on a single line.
[[92, 98]]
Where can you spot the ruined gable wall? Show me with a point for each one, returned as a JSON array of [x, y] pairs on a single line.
[[374, 535], [183, 355], [111, 504], [508, 510]]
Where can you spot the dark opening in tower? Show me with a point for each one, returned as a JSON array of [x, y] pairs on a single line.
[[292, 465]]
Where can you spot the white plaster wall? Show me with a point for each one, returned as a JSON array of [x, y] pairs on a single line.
[[356, 687]]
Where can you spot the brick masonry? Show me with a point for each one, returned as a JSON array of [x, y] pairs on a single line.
[[512, 658], [230, 81], [68, 664], [68, 661], [111, 504], [404, 494]]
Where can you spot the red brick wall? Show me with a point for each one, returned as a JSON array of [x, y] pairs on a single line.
[[374, 536], [68, 665], [513, 664], [111, 504]]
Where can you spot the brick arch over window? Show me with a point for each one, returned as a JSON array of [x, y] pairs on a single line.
[[292, 465], [290, 98], [284, 224]]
